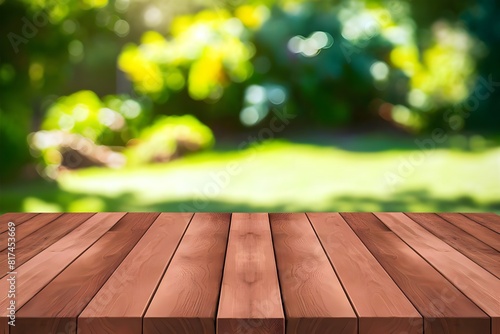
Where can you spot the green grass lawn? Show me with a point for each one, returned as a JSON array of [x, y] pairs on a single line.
[[279, 176]]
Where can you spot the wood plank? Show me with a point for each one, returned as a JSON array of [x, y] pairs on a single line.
[[22, 231], [445, 309], [36, 273], [313, 297], [187, 296], [379, 303], [478, 231], [56, 307], [17, 217], [489, 220], [473, 248], [476, 283], [121, 303], [43, 238], [250, 298]]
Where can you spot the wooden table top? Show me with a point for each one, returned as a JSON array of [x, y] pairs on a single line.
[[131, 273]]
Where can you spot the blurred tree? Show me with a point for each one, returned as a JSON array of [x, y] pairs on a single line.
[[343, 64], [230, 62], [482, 18], [43, 54]]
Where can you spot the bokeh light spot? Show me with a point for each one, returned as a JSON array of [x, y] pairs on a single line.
[[249, 116], [255, 94], [153, 16], [121, 28], [379, 70], [276, 95], [75, 49]]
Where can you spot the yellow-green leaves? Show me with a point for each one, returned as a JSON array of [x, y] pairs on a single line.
[[206, 51]]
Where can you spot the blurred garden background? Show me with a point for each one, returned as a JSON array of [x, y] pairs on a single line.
[[263, 105]]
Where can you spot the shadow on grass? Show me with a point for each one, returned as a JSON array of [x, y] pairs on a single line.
[[390, 140], [343, 141], [410, 201], [52, 198]]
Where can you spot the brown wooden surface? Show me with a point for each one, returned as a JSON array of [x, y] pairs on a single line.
[[45, 266], [490, 220], [127, 293], [45, 236], [26, 229], [313, 297], [56, 307], [186, 299], [444, 308], [183, 273], [476, 283], [379, 303], [18, 218], [480, 232], [250, 298], [470, 246]]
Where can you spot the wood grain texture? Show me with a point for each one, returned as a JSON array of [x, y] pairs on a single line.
[[478, 231], [379, 303], [445, 309], [489, 220], [250, 300], [473, 248], [28, 227], [187, 296], [56, 307], [313, 297], [121, 303], [476, 283], [36, 273], [43, 238], [338, 273], [17, 218]]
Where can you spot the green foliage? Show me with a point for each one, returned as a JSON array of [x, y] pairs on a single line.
[[345, 63], [480, 20], [207, 51], [376, 68], [82, 122], [42, 46], [168, 138], [85, 125], [341, 64], [113, 121], [58, 10], [13, 144]]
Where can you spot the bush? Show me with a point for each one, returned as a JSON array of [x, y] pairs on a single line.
[[169, 138], [81, 130], [112, 121], [336, 65]]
